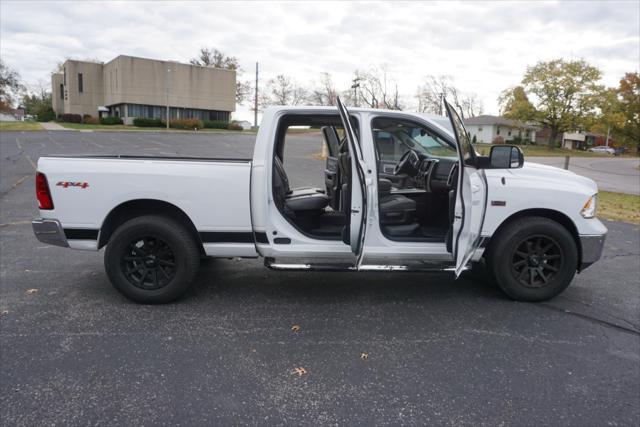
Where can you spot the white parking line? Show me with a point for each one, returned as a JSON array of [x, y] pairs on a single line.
[[28, 157], [54, 141]]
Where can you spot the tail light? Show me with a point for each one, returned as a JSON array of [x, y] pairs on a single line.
[[42, 192]]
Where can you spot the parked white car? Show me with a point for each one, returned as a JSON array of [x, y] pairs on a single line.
[[602, 149], [403, 192]]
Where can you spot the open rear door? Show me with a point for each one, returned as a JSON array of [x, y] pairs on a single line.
[[357, 223], [471, 197]]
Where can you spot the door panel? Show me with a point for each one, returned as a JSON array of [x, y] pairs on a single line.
[[332, 181], [358, 187], [471, 194], [331, 169]]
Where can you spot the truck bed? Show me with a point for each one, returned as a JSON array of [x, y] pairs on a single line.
[[212, 192]]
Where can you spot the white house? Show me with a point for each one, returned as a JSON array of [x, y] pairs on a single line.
[[497, 130]]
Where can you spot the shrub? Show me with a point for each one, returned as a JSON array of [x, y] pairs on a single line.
[[186, 124], [474, 140], [90, 120], [498, 140], [110, 120], [215, 124], [148, 123], [45, 114], [517, 140], [234, 126], [70, 118]]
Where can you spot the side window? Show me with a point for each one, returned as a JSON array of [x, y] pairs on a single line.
[[389, 147], [393, 137]]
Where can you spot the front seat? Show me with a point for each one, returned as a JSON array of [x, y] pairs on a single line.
[[397, 212], [299, 201]]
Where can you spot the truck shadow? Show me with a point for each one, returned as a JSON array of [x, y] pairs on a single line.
[[250, 279]]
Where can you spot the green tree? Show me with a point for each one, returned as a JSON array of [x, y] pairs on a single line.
[[515, 105], [629, 101], [9, 86], [564, 93], [39, 105]]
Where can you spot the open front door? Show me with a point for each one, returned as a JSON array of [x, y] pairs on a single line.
[[471, 197], [354, 233]]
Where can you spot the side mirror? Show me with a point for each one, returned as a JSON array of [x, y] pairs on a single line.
[[506, 157]]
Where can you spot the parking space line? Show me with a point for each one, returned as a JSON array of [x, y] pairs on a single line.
[[18, 144], [152, 141], [28, 157], [54, 141]]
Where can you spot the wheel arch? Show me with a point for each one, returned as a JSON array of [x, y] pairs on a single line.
[[551, 214], [138, 207]]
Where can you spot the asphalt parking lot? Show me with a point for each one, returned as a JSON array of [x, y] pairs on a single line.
[[374, 348]]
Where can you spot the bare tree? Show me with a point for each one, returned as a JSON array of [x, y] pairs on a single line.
[[216, 59], [375, 88], [430, 97], [283, 90], [471, 106], [325, 92]]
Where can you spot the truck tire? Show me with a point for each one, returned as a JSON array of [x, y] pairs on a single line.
[[152, 259], [533, 259]]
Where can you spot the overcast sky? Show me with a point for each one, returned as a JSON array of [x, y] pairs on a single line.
[[485, 47]]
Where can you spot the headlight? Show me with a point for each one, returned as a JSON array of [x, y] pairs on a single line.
[[589, 208]]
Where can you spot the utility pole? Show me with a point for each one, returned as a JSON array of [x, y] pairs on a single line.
[[255, 101], [355, 86], [167, 88]]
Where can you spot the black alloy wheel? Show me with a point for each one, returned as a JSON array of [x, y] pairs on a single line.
[[148, 263], [152, 259], [536, 261], [532, 258]]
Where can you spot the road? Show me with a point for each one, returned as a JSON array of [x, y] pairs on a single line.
[[375, 348], [617, 174]]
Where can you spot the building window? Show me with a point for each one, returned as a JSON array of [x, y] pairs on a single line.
[[498, 133], [509, 133], [480, 129], [80, 83], [61, 91]]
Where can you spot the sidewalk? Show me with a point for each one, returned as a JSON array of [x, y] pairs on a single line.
[[52, 126]]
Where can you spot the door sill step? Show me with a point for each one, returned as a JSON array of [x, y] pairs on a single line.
[[273, 264]]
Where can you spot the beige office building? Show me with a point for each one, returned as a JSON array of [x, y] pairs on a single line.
[[131, 87]]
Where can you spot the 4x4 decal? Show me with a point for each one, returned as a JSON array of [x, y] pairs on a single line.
[[67, 184]]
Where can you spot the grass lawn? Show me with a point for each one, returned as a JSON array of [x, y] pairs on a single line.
[[18, 126], [544, 151], [619, 207], [83, 126]]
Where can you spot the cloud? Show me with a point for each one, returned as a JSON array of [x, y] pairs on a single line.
[[484, 46]]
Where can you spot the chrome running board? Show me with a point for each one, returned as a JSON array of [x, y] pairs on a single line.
[[272, 264]]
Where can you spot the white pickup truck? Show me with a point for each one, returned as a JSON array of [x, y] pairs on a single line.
[[403, 192]]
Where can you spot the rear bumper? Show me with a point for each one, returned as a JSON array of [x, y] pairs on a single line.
[[49, 231], [592, 247]]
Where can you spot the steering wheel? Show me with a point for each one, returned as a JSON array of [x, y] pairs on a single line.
[[402, 162]]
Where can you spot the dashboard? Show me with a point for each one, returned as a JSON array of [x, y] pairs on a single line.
[[434, 175]]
